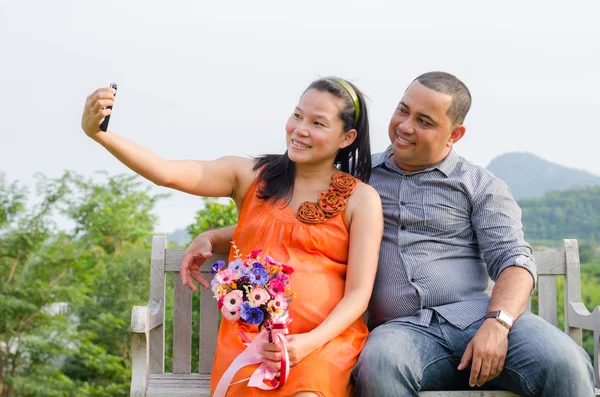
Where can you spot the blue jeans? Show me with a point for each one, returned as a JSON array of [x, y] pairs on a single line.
[[401, 359]]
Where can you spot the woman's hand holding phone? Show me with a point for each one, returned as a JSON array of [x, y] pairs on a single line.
[[97, 110]]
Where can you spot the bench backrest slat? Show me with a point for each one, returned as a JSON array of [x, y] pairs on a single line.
[[209, 325], [182, 327], [209, 320], [572, 285], [156, 306], [547, 298]]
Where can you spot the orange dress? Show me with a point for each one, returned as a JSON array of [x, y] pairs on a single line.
[[319, 255]]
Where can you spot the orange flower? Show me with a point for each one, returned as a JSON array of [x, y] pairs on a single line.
[[331, 202], [310, 213], [343, 183]]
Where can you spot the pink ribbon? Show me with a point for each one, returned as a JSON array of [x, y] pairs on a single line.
[[252, 356]]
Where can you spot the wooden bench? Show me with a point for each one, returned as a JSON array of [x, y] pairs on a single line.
[[148, 324]]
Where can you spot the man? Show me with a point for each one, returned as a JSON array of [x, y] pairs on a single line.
[[448, 225]]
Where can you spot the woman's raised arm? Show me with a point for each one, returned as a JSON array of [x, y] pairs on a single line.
[[224, 177]]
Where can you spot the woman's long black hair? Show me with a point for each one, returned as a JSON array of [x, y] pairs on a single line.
[[278, 173]]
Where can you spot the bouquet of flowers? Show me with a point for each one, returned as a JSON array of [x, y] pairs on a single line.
[[254, 290]]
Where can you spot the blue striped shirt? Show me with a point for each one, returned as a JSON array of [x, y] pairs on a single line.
[[446, 228]]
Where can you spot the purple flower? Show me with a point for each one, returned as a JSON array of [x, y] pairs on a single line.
[[283, 278], [271, 261], [251, 315], [257, 265], [258, 276], [245, 271], [217, 266], [235, 265]]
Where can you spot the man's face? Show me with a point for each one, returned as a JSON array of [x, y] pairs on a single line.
[[420, 131]]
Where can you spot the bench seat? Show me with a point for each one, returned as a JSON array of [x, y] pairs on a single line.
[[471, 393], [178, 385]]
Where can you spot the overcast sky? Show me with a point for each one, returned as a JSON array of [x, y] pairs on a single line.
[[203, 79]]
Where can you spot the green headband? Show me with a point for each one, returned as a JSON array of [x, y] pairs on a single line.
[[352, 94]]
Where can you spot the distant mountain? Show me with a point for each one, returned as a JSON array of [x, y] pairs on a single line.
[[530, 176]]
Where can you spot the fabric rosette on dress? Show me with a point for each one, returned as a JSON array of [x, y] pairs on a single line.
[[254, 290], [330, 202]]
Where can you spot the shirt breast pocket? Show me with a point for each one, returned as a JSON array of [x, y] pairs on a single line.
[[447, 213]]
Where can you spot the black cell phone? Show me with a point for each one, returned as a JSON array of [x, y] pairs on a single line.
[[104, 125]]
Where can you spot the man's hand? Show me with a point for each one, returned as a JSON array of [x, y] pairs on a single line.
[[194, 256], [488, 350], [298, 347]]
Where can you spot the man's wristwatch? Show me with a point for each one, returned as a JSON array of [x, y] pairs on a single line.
[[502, 317]]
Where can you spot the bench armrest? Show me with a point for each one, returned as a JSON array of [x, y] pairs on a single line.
[[580, 317], [139, 319], [146, 318], [139, 351]]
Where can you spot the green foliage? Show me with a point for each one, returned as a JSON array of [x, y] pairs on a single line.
[[35, 273], [100, 270], [213, 215], [12, 198], [563, 214], [112, 212]]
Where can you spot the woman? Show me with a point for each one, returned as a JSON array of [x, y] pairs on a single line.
[[333, 245]]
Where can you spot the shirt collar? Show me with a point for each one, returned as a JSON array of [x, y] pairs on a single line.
[[446, 166]]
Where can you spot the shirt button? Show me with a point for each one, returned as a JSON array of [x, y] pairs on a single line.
[[405, 176], [402, 203], [403, 250], [412, 280], [402, 227]]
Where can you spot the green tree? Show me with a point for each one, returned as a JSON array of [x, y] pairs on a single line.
[[114, 221], [111, 211], [562, 214], [35, 275], [99, 271]]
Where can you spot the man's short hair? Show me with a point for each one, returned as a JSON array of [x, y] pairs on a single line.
[[447, 84]]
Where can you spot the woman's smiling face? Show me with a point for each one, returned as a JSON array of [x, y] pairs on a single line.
[[315, 131]]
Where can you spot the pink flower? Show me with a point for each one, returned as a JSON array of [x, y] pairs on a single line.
[[231, 316], [280, 302], [233, 300], [218, 290], [254, 254], [276, 287], [257, 296], [274, 310], [225, 276], [220, 303]]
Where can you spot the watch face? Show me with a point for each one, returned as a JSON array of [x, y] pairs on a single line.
[[505, 318]]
